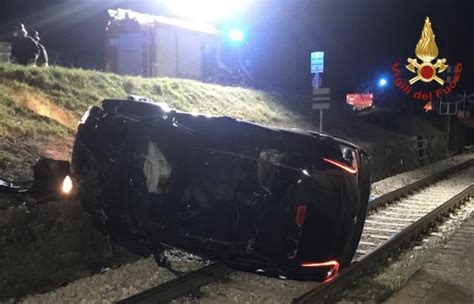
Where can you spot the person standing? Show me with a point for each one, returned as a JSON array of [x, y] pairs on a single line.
[[24, 50], [43, 55]]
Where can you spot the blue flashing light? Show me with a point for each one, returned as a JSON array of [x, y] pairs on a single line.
[[382, 82], [236, 35]]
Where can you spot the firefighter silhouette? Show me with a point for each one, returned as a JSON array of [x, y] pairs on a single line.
[[25, 50], [43, 55]]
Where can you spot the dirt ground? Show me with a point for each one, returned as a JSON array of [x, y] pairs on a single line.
[[26, 152]]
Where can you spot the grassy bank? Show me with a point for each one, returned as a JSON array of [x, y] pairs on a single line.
[[40, 107], [74, 90]]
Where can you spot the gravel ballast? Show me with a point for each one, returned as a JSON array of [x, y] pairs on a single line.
[[115, 284], [397, 181]]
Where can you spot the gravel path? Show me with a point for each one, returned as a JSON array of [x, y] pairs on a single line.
[[116, 284]]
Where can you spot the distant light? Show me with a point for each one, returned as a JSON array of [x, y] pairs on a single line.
[[206, 10], [236, 35], [382, 82], [67, 185], [428, 107]]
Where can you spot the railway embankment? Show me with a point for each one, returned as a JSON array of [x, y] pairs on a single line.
[[40, 108], [47, 245]]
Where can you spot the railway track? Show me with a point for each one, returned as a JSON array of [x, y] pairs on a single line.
[[394, 218], [404, 220], [384, 223]]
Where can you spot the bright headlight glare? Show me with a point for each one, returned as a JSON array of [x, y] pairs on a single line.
[[67, 185]]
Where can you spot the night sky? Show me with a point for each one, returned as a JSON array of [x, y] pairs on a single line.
[[362, 39]]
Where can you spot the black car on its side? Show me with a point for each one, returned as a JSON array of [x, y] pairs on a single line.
[[280, 202]]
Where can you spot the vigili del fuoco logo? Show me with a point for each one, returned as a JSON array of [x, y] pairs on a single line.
[[425, 70]]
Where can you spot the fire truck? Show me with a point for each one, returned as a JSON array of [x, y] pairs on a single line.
[[360, 101], [155, 46]]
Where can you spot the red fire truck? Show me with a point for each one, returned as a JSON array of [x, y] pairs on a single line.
[[360, 101]]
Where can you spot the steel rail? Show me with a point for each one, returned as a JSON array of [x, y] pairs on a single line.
[[185, 284], [324, 291]]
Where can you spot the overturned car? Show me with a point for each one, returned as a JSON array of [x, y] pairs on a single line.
[[280, 202]]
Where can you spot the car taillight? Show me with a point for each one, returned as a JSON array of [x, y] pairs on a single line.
[[341, 165], [300, 215], [350, 162], [333, 266]]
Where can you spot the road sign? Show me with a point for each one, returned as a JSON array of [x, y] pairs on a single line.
[[448, 108], [316, 81], [320, 106], [459, 98], [322, 91], [470, 98], [321, 95], [317, 62], [321, 98]]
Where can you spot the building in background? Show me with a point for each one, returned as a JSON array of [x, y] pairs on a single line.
[[153, 46]]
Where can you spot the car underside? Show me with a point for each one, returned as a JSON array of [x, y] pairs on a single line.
[[280, 202]]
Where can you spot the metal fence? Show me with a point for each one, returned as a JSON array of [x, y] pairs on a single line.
[[5, 50]]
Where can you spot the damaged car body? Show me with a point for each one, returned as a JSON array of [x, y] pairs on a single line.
[[282, 202]]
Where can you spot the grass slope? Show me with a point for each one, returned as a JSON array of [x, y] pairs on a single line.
[[40, 107]]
